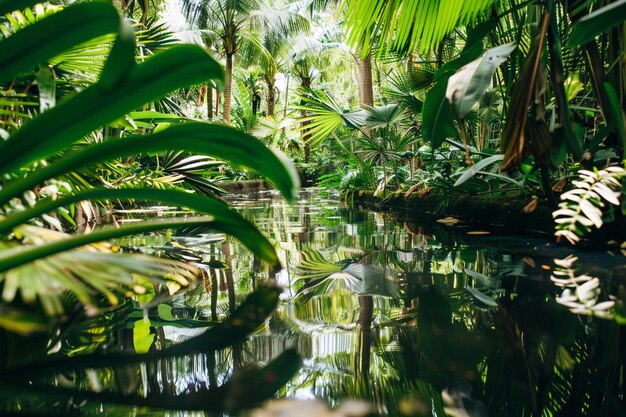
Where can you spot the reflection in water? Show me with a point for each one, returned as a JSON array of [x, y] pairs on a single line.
[[420, 318]]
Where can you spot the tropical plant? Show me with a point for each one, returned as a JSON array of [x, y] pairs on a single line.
[[581, 208], [29, 164], [403, 27], [381, 141]]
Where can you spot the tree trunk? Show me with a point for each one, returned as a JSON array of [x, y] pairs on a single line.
[[228, 88], [305, 84], [271, 96], [217, 102], [366, 89], [209, 102], [201, 96]]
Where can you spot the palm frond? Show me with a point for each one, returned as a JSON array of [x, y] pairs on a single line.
[[325, 116], [404, 26], [47, 281]]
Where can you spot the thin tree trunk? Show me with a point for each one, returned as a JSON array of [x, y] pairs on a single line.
[[209, 102], [201, 96], [305, 85], [366, 88], [286, 97], [218, 97], [214, 288], [228, 88], [271, 96]]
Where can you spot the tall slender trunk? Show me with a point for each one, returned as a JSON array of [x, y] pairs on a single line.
[[228, 88], [366, 88], [209, 102], [201, 96], [218, 98], [286, 97], [214, 288], [306, 84], [271, 96]]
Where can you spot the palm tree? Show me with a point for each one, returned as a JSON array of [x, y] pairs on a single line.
[[234, 21], [309, 58], [268, 55]]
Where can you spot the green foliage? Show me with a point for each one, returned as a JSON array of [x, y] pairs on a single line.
[[468, 85], [600, 21], [407, 26], [28, 162], [37, 43], [581, 208], [438, 120]]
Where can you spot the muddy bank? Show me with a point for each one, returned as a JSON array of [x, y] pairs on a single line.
[[244, 187], [505, 212]]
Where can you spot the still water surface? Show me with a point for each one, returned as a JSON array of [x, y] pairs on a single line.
[[414, 316]]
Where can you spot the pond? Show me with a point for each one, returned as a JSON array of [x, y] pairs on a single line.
[[418, 317]]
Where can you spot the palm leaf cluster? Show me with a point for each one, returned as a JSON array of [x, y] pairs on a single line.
[[404, 26]]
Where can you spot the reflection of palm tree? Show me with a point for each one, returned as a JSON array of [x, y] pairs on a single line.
[[228, 272], [364, 335], [319, 275]]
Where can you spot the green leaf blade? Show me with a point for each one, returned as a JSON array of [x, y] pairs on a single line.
[[596, 23], [38, 43], [56, 129]]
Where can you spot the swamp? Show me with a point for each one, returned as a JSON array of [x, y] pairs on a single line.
[[312, 208]]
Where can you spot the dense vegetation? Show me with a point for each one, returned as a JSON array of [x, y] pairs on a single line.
[[102, 107]]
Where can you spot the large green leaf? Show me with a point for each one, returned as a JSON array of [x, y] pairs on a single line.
[[324, 116], [468, 85], [121, 58], [38, 43], [598, 22], [220, 141], [404, 26], [474, 169], [97, 105], [243, 321], [231, 222], [437, 118]]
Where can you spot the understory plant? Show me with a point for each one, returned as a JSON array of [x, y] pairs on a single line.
[[584, 207], [42, 149], [52, 281]]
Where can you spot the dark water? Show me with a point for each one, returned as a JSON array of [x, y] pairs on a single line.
[[416, 317]]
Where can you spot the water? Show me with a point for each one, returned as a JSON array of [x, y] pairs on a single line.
[[427, 315], [416, 317]]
